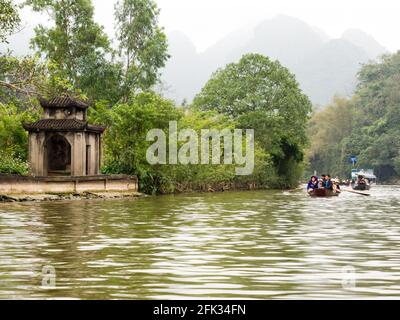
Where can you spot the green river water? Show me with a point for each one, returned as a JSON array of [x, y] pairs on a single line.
[[240, 245]]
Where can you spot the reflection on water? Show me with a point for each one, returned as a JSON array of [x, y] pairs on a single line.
[[257, 245]]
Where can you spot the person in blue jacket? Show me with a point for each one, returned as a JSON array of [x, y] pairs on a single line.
[[328, 183], [312, 184]]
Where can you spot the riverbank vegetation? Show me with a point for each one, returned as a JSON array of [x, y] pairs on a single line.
[[365, 125], [120, 79]]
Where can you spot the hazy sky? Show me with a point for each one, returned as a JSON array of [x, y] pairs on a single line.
[[206, 21]]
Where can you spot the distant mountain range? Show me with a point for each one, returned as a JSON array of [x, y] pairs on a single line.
[[323, 66]]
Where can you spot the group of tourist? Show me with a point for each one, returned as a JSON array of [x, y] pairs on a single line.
[[361, 180], [325, 182]]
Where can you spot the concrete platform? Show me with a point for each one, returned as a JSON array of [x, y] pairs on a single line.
[[21, 185], [69, 196]]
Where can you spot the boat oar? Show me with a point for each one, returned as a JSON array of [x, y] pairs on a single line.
[[357, 192]]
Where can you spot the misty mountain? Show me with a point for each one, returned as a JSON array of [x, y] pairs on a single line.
[[365, 41], [182, 74], [323, 66], [330, 70]]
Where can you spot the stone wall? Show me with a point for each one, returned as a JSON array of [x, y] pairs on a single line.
[[14, 184]]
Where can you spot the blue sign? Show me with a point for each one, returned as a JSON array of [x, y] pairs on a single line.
[[353, 159]]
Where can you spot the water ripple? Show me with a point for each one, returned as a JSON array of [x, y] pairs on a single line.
[[247, 245]]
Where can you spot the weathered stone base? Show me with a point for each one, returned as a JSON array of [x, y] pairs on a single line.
[[14, 184], [66, 196]]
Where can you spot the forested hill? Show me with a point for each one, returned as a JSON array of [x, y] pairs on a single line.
[[323, 66], [367, 125]]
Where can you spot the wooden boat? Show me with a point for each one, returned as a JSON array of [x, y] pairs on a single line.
[[323, 193], [361, 187]]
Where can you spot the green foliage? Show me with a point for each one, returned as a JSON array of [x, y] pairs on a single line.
[[197, 175], [278, 150], [14, 139], [376, 140], [125, 140], [9, 19], [366, 126], [74, 36], [126, 146], [19, 75], [142, 43], [188, 177], [253, 84], [327, 130], [12, 164], [22, 80], [79, 54], [74, 56], [262, 95], [77, 46]]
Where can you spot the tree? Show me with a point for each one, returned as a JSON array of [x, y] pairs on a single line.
[[18, 75], [22, 80], [264, 96], [366, 126], [14, 139], [125, 146], [142, 43], [9, 19], [77, 45], [376, 137], [125, 140], [327, 131]]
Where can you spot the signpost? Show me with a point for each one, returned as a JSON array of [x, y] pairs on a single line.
[[353, 160]]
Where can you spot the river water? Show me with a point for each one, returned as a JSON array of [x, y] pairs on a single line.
[[241, 245]]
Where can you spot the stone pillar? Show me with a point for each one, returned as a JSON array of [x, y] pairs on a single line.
[[37, 154], [93, 161], [97, 154], [33, 151], [41, 154], [78, 155]]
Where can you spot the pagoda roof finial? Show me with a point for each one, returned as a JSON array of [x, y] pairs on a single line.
[[63, 101]]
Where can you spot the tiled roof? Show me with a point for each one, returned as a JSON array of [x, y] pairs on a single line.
[[64, 101], [96, 128], [62, 125]]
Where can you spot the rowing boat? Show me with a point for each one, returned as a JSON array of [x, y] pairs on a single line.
[[323, 193], [361, 187]]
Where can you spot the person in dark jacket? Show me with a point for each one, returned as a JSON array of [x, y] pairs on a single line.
[[328, 183], [312, 184]]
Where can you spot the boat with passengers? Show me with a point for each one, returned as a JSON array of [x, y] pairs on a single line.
[[362, 179]]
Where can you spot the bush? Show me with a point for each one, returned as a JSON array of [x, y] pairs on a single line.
[[11, 164], [125, 147]]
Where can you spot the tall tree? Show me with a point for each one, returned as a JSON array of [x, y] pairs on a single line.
[[142, 43], [76, 44], [262, 95], [375, 138], [9, 19], [366, 126], [327, 129], [21, 76]]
